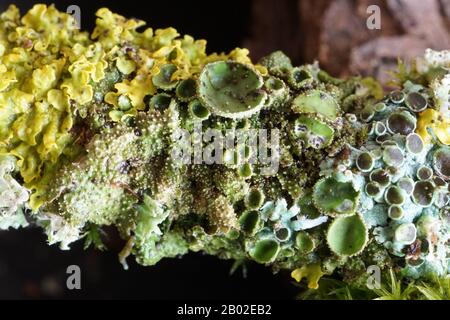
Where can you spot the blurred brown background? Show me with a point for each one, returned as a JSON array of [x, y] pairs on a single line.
[[333, 32]]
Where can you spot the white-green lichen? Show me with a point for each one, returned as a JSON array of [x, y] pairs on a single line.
[[13, 196]]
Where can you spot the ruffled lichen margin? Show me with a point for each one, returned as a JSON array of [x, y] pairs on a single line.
[[89, 123]]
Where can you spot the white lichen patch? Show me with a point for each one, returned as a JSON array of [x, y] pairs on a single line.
[[13, 196]]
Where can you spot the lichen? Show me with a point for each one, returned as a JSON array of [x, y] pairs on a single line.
[[181, 151], [13, 196]]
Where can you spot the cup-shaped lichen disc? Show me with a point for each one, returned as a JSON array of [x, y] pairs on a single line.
[[406, 184], [304, 242], [405, 233], [160, 101], [231, 89], [373, 189], [414, 143], [397, 96], [265, 251], [163, 79], [347, 236], [423, 193], [401, 122], [334, 198], [186, 89], [283, 234], [393, 156], [273, 84], [416, 102], [394, 195], [381, 176], [380, 128], [299, 77], [197, 110], [314, 133], [316, 101], [424, 173], [365, 162], [441, 162], [395, 212], [254, 199], [249, 221], [379, 107]]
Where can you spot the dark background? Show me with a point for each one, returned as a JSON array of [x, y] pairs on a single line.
[[332, 31]]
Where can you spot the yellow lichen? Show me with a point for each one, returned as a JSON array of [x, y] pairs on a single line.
[[125, 65], [35, 110], [312, 273], [431, 119], [89, 65], [140, 86]]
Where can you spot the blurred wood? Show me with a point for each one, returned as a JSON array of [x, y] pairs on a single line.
[[274, 25], [335, 32]]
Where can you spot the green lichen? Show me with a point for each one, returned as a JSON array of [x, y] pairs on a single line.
[[347, 236], [316, 102], [231, 89], [335, 197], [314, 133]]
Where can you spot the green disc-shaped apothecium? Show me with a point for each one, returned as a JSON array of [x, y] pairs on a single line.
[[317, 102], [231, 89], [313, 132], [265, 251], [334, 197], [347, 236]]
